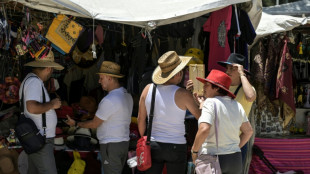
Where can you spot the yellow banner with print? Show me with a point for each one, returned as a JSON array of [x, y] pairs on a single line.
[[64, 32]]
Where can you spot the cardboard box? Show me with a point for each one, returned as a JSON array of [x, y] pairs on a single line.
[[197, 70]]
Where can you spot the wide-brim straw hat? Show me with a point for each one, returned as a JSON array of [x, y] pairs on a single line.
[[47, 61], [235, 58], [111, 69], [8, 161], [220, 79], [169, 64]]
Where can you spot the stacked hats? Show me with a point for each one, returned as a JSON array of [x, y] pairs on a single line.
[[81, 140]]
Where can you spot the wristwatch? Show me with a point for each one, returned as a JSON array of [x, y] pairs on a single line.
[[195, 152]]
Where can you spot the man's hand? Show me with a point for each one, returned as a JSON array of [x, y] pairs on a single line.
[[189, 85], [56, 103], [239, 68], [70, 121]]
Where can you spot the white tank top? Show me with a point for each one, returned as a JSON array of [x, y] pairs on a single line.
[[168, 122]]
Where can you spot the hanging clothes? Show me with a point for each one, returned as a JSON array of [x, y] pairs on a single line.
[[218, 25], [271, 67], [284, 85], [238, 43], [258, 63]]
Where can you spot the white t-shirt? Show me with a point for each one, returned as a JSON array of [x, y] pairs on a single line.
[[33, 91], [115, 109], [230, 116]]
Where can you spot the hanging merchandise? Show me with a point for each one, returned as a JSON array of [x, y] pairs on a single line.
[[9, 90], [284, 85], [218, 24], [78, 165], [64, 32]]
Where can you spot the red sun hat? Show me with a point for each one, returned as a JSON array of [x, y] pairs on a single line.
[[220, 79]]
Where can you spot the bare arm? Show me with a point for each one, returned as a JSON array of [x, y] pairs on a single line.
[[35, 107], [185, 100], [202, 134], [142, 111], [94, 123], [246, 133], [249, 92]]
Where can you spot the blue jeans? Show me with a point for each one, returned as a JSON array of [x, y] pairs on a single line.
[[173, 155]]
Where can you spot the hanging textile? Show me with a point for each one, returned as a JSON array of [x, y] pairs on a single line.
[[284, 85], [218, 25], [64, 32]]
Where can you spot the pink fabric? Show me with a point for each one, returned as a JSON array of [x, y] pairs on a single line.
[[218, 51], [283, 154], [284, 86]]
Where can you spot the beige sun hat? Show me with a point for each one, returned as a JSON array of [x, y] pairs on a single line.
[[47, 61], [111, 69], [8, 161], [169, 64]]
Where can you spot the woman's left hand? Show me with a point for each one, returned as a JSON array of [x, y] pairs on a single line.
[[194, 157]]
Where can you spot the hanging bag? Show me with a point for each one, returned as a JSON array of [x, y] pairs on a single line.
[[144, 160], [78, 165], [206, 163], [27, 132]]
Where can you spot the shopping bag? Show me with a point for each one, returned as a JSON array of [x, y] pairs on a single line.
[[208, 164], [78, 165], [143, 150]]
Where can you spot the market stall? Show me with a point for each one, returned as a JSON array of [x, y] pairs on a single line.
[[134, 36], [279, 60]]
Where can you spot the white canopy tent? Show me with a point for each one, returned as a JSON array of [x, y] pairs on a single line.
[[270, 24], [142, 13]]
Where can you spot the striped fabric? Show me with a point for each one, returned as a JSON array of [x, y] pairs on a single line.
[[283, 154]]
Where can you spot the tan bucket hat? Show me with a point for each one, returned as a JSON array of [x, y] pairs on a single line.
[[47, 61], [8, 161], [169, 64], [111, 69]]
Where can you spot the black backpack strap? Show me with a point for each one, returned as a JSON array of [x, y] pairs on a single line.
[[43, 115], [22, 107], [149, 130], [237, 90]]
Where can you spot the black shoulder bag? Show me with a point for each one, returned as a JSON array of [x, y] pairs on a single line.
[[27, 132]]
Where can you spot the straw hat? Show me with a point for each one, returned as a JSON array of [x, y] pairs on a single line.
[[111, 69], [220, 79], [47, 61], [8, 161], [237, 59], [169, 64]]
